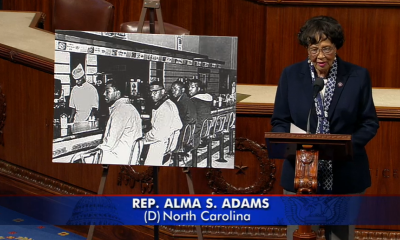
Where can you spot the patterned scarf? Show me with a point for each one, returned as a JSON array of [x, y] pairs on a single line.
[[325, 176]]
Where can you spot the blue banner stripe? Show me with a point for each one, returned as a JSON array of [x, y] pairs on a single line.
[[207, 210]]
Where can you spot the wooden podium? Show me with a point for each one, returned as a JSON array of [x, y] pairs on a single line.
[[307, 149]]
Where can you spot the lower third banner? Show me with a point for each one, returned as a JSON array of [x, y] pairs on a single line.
[[208, 210]]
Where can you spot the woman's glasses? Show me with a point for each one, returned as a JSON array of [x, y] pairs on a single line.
[[325, 50]]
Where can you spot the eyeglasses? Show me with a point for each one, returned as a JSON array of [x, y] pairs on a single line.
[[154, 92], [325, 50]]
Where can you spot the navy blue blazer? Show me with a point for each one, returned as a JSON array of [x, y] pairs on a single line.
[[352, 111]]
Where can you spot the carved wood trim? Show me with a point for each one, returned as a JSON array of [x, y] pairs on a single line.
[[265, 232], [255, 108], [39, 181], [263, 184], [377, 234], [332, 2], [227, 232], [18, 56], [218, 232], [306, 173], [129, 176], [388, 112], [299, 136]]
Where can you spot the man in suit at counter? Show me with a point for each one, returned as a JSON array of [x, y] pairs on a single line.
[[186, 108], [84, 99], [165, 125], [124, 126], [203, 103]]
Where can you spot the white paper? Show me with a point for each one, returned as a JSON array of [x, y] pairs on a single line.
[[63, 77], [91, 59], [296, 129], [62, 57], [62, 68], [91, 70]]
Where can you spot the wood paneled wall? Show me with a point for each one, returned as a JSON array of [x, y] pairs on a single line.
[[267, 30], [267, 43]]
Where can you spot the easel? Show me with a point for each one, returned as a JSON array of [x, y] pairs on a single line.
[[99, 192], [155, 5], [189, 180], [151, 5]]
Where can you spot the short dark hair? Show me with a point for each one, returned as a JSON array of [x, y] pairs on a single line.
[[156, 85], [178, 83], [318, 26], [118, 85], [195, 80]]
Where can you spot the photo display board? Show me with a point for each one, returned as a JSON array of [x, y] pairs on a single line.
[[144, 99]]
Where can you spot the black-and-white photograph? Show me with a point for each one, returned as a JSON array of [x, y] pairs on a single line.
[[144, 99]]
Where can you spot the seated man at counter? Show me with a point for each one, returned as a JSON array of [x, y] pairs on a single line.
[[123, 128], [165, 125], [203, 103], [84, 99], [186, 108]]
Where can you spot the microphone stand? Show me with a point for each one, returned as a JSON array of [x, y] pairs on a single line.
[[317, 87], [308, 119]]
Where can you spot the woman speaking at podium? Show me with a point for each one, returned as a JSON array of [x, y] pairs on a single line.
[[343, 106]]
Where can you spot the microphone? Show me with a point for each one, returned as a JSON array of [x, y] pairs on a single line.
[[318, 85]]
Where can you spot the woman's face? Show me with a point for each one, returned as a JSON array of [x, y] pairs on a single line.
[[322, 56]]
